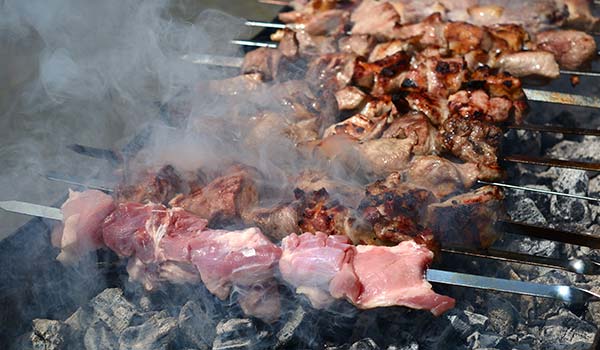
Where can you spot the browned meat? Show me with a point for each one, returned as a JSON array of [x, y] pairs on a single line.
[[395, 209], [315, 45], [350, 98], [388, 48], [264, 61], [368, 124], [377, 18], [530, 63], [276, 222], [571, 48], [360, 45], [274, 127], [224, 199], [464, 37], [441, 176], [154, 187], [311, 180], [580, 15], [428, 32], [445, 75], [233, 86], [435, 108], [382, 156], [303, 131], [318, 213], [386, 73], [467, 219], [508, 37], [472, 140], [415, 126], [288, 45], [332, 72], [331, 22], [477, 104]]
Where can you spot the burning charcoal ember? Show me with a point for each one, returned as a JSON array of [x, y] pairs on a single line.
[[364, 344], [157, 333], [99, 337], [239, 333], [197, 322], [567, 331], [50, 335], [112, 308], [80, 231]]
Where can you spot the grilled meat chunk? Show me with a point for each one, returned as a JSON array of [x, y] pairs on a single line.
[[276, 222], [350, 98], [368, 124], [264, 61], [530, 63], [155, 187], [441, 176], [339, 189], [237, 85], [571, 48], [477, 104], [435, 108], [330, 22], [415, 126], [467, 219], [382, 25], [395, 209], [382, 156], [224, 199], [360, 45]]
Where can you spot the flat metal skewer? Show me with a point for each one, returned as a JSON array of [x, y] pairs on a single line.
[[80, 182], [580, 266], [567, 294], [543, 232], [550, 162], [538, 190], [556, 129]]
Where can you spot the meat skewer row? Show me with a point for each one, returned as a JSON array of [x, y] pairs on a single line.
[[172, 245], [537, 15]]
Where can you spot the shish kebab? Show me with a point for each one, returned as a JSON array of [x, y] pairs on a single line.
[[379, 24], [184, 244]]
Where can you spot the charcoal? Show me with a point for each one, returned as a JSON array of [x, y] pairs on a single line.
[[410, 346], [586, 150], [99, 337], [111, 307], [465, 322], [503, 316], [567, 331], [569, 209], [297, 325], [80, 319], [50, 335], [525, 210], [533, 246], [364, 344], [484, 340], [239, 333], [197, 324], [156, 333]]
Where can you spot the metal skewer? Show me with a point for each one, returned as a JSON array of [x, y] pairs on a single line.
[[567, 294], [550, 162]]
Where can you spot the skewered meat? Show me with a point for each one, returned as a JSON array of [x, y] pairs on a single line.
[[368, 124], [263, 61], [435, 108], [224, 199], [331, 22], [312, 263], [522, 64], [415, 126], [155, 187], [152, 275], [571, 48], [277, 221], [80, 231], [467, 218], [441, 176], [328, 267], [339, 189], [401, 282], [377, 18], [350, 98], [245, 259], [360, 45], [382, 156], [233, 86], [395, 209], [580, 15], [477, 104]]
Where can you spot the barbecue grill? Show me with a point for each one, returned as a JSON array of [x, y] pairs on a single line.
[[561, 200]]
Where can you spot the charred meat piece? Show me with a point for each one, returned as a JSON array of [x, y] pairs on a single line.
[[415, 126], [441, 176], [435, 108], [345, 192], [333, 72], [464, 37], [368, 124], [467, 219], [472, 140], [508, 37], [276, 222], [571, 48], [224, 199], [477, 104], [155, 187], [388, 48], [395, 209], [331, 22], [428, 32]]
